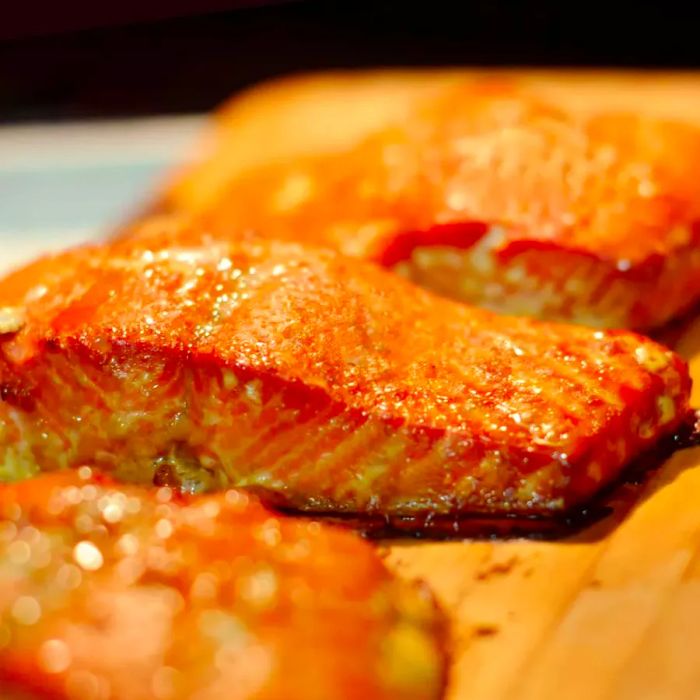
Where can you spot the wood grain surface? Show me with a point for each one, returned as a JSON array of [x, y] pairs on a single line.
[[610, 613]]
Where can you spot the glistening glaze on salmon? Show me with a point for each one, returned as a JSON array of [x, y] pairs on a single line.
[[120, 593], [323, 381], [487, 194]]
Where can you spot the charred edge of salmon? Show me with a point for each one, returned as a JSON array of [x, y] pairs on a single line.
[[614, 500], [550, 282]]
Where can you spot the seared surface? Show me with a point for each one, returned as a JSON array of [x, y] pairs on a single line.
[[121, 593], [322, 381], [485, 193]]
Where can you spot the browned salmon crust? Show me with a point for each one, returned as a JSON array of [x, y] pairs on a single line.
[[322, 380]]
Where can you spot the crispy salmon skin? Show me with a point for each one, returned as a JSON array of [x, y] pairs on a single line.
[[322, 381], [123, 593], [487, 193]]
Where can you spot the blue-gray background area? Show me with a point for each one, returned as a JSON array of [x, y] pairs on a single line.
[[81, 196], [44, 209]]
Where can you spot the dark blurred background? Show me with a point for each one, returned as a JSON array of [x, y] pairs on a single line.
[[104, 59]]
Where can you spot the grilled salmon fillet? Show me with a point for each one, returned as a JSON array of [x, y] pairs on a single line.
[[324, 382], [111, 591], [332, 111], [481, 190]]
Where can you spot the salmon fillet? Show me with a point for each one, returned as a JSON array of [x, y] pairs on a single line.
[[480, 190], [110, 591], [321, 381], [332, 111]]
